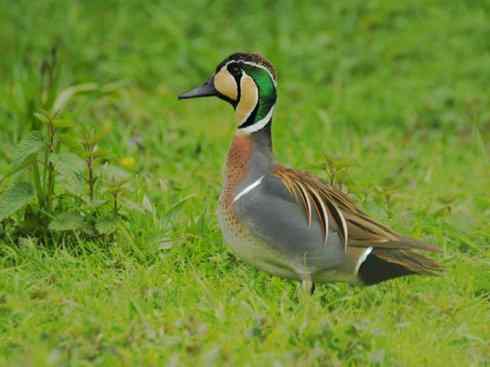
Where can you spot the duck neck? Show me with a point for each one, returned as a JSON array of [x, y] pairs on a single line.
[[257, 126], [252, 146], [262, 140], [253, 152]]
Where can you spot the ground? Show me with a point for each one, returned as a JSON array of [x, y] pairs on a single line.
[[393, 94]]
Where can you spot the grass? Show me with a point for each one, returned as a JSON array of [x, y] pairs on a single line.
[[396, 94]]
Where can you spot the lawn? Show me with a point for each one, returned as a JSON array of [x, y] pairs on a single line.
[[390, 97]]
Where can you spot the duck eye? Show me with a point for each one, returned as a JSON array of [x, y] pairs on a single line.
[[234, 69]]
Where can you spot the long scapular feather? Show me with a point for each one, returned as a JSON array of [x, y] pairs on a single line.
[[313, 197], [306, 202], [355, 227], [321, 212], [339, 218]]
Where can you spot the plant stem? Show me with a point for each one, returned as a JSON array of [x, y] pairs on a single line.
[[37, 183], [91, 178], [50, 167], [50, 185], [45, 167], [116, 208]]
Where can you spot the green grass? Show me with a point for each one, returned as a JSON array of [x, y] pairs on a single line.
[[398, 90]]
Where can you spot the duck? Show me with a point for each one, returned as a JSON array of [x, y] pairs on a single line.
[[287, 222]]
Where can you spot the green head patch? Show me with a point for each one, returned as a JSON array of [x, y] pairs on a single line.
[[266, 88]]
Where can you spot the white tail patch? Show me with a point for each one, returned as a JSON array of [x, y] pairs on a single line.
[[363, 258], [249, 188]]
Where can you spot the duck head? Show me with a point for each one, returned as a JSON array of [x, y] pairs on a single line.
[[247, 81]]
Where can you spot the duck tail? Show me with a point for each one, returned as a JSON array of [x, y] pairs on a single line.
[[384, 264]]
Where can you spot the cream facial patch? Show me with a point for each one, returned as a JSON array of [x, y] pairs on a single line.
[[248, 99], [225, 83]]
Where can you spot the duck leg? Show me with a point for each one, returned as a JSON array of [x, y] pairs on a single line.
[[308, 285]]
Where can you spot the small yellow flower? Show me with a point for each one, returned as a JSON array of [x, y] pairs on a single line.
[[127, 162], [106, 128]]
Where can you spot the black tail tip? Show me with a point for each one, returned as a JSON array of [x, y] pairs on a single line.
[[376, 270]]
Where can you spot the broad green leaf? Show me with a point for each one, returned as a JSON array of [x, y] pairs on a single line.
[[65, 95], [62, 123], [99, 153], [69, 221], [43, 117], [131, 205], [114, 86], [72, 142], [106, 225], [93, 204], [114, 176], [71, 169], [28, 147], [148, 205], [15, 198], [178, 205], [96, 153], [14, 170]]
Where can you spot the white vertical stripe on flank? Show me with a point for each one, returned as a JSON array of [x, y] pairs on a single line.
[[249, 188]]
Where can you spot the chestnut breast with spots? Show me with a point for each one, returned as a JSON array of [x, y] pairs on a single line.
[[239, 173], [236, 169], [236, 172]]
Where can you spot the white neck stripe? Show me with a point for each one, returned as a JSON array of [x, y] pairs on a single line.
[[249, 188], [259, 124]]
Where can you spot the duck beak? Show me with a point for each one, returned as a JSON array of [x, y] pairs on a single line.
[[205, 90]]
